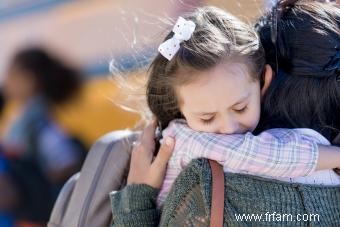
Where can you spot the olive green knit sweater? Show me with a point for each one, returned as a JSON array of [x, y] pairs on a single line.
[[259, 201]]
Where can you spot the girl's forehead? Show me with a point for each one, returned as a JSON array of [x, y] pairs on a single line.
[[238, 66], [231, 71], [224, 85]]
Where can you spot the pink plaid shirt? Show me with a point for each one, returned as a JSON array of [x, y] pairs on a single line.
[[273, 153]]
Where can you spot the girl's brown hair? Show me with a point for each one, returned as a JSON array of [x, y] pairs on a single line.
[[218, 37]]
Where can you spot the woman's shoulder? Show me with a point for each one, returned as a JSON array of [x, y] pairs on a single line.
[[191, 196]]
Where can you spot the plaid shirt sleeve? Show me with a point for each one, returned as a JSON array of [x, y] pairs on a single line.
[[273, 153]]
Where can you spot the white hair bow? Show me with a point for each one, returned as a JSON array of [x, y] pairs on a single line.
[[183, 30]]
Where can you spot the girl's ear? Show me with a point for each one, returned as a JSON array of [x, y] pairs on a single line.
[[267, 77]]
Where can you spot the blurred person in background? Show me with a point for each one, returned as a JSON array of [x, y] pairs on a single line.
[[41, 155], [8, 193]]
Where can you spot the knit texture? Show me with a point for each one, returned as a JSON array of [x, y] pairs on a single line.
[[189, 201], [135, 206]]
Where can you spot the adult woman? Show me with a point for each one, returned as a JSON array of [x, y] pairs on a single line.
[[295, 72]]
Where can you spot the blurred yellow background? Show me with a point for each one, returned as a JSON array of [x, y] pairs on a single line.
[[89, 34]]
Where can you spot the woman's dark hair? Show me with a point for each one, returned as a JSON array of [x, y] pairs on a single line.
[[56, 81], [302, 43]]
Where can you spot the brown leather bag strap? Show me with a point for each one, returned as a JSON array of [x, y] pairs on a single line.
[[217, 200]]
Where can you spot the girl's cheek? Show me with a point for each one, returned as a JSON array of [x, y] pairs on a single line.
[[251, 121]]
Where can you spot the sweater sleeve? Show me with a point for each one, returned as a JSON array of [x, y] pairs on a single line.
[[135, 205], [273, 153]]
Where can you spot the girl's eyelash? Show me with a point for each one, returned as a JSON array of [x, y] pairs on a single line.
[[207, 121], [241, 110]]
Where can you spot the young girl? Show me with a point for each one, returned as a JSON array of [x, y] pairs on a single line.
[[212, 72]]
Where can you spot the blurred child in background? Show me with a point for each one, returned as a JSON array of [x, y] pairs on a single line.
[[41, 155]]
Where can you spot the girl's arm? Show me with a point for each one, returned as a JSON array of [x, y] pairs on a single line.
[[329, 157], [273, 153]]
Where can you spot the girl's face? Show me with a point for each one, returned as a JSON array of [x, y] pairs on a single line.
[[224, 100]]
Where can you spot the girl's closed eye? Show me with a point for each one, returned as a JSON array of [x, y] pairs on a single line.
[[207, 121], [241, 110]]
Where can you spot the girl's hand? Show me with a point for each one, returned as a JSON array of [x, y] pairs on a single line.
[[144, 167]]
